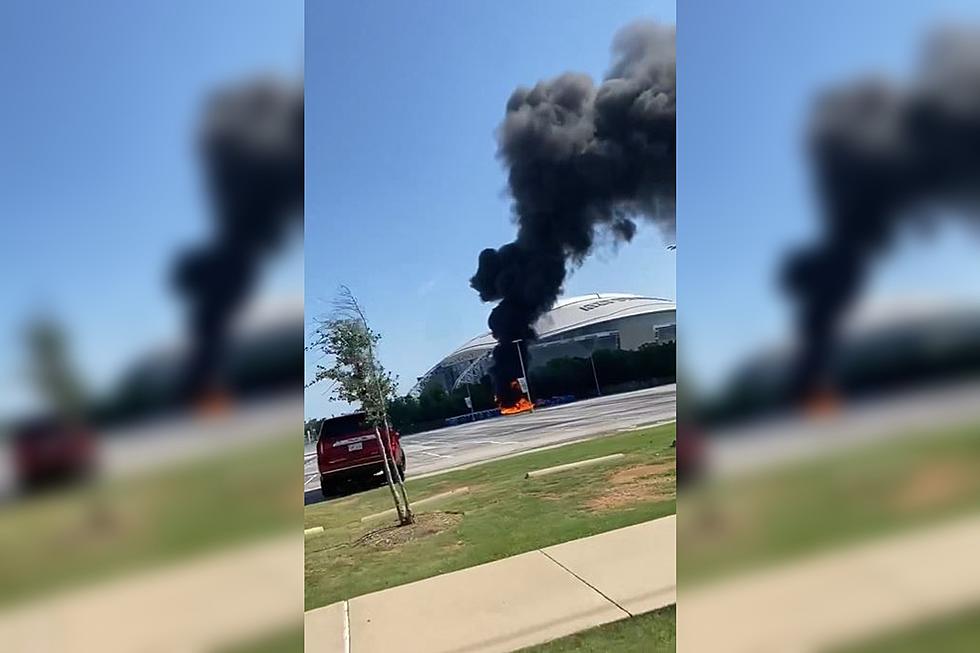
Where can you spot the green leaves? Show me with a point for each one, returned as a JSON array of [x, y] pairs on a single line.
[[357, 376]]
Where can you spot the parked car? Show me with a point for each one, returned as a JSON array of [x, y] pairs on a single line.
[[690, 452], [50, 452], [347, 449]]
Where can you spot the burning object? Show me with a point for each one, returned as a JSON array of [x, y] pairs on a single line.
[[521, 405]]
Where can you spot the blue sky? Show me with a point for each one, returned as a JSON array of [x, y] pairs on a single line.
[[747, 72], [403, 187], [99, 184]]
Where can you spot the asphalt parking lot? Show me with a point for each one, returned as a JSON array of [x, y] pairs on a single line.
[[467, 444]]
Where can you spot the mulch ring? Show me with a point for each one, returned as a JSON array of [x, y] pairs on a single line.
[[426, 524]]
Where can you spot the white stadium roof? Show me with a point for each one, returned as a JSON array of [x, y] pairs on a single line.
[[576, 312], [568, 314]]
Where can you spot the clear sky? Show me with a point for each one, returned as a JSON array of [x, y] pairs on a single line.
[[403, 187], [747, 72], [99, 183]]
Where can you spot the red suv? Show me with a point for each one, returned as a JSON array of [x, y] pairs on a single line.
[[49, 452], [348, 449]]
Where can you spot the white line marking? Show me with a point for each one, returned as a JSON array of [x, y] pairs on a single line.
[[437, 455], [346, 626]]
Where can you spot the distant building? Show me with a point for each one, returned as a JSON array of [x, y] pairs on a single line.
[[574, 327], [264, 354]]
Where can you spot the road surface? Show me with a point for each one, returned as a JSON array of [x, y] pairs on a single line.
[[138, 448], [780, 440], [466, 444]]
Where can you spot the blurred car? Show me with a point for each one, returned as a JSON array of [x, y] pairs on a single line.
[[347, 449], [49, 452], [690, 452]]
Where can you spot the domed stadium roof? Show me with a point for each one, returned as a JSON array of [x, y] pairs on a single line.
[[568, 314]]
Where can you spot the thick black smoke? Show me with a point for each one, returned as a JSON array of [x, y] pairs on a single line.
[[251, 144], [884, 154], [583, 161]]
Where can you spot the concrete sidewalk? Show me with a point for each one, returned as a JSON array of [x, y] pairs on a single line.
[[227, 597], [505, 605]]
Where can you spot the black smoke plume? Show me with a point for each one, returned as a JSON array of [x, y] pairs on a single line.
[[884, 154], [251, 144], [583, 161]]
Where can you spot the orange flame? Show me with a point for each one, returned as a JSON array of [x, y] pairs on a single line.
[[822, 402], [521, 406], [213, 402]]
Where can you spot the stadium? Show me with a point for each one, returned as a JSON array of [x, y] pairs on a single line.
[[574, 327]]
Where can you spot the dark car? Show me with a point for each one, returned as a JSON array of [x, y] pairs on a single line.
[[347, 449]]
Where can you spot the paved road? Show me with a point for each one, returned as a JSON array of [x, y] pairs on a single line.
[[173, 439], [781, 440], [135, 449], [466, 444]]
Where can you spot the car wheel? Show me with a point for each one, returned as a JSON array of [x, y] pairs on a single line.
[[328, 487]]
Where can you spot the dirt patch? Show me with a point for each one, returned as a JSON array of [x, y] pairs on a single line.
[[426, 525], [640, 472], [935, 485], [635, 485]]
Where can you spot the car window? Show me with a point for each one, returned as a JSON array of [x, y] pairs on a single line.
[[341, 426]]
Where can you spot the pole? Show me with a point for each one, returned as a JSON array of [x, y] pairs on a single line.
[[595, 376], [470, 396], [520, 357], [405, 515], [390, 478]]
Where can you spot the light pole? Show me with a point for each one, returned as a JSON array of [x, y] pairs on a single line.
[[527, 382], [595, 376]]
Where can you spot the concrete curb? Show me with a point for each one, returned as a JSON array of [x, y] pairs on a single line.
[[581, 463], [421, 502]]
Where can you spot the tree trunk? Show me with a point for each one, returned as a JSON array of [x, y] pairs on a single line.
[[388, 479], [399, 479]]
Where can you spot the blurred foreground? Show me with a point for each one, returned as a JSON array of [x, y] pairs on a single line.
[[196, 551], [832, 545], [849, 519], [150, 354], [831, 496]]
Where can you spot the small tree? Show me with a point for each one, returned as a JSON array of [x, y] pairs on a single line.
[[358, 377], [51, 369]]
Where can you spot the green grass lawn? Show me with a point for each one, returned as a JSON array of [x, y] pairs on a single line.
[[503, 514], [653, 632], [872, 490], [286, 640], [102, 529]]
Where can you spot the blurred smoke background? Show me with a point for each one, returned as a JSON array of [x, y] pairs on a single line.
[[829, 436], [151, 188]]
